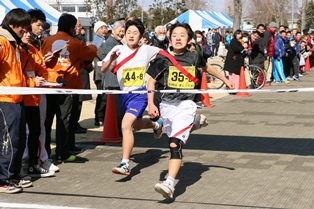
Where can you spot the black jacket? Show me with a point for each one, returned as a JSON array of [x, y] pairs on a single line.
[[162, 45], [235, 59]]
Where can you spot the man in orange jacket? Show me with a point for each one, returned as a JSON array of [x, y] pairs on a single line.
[[71, 57], [12, 118], [35, 72]]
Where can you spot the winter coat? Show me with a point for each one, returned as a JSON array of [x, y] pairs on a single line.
[[235, 59], [280, 50], [71, 58], [257, 53], [10, 66], [270, 41]]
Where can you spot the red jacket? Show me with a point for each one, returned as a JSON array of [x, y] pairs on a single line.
[[270, 41]]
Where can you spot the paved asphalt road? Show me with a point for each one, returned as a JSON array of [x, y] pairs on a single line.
[[257, 152]]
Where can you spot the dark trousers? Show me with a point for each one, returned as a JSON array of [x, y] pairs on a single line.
[[12, 140], [287, 65], [216, 49], [213, 49], [33, 122], [295, 67], [75, 116], [101, 102], [61, 106]]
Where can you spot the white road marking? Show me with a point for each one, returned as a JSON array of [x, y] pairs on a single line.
[[34, 206]]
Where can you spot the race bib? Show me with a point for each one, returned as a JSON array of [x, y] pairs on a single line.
[[133, 76], [176, 79]]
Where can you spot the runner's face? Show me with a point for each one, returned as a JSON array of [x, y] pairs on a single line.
[[132, 36], [179, 38]]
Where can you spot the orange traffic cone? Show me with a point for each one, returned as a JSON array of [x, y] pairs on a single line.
[[205, 96], [242, 84], [110, 131], [307, 64]]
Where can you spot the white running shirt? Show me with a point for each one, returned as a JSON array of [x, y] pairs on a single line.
[[131, 75]]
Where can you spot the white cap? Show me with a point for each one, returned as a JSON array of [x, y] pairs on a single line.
[[98, 25]]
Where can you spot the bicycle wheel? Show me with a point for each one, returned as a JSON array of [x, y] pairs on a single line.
[[216, 83], [257, 77]]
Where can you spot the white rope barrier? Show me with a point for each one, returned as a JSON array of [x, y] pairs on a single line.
[[30, 91]]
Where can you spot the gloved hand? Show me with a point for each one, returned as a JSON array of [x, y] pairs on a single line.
[[61, 80]]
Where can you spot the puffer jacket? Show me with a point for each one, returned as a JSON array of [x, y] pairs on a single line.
[[10, 66]]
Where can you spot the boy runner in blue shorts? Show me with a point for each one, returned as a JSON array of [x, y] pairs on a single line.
[[130, 63]]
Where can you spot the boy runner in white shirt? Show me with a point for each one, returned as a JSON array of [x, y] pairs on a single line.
[[130, 62]]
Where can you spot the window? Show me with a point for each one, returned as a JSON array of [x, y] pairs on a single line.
[[82, 9], [68, 9]]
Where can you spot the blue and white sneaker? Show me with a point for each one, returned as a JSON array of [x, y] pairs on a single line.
[[123, 169], [158, 132]]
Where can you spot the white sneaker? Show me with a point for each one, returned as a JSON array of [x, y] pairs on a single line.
[[200, 121], [23, 183], [48, 165], [165, 188]]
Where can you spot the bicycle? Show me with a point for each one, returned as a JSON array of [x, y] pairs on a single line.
[[256, 74]]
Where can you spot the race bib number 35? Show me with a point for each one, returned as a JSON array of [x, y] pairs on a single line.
[[176, 79], [133, 76]]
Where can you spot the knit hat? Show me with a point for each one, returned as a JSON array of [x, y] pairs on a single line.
[[273, 25], [98, 25]]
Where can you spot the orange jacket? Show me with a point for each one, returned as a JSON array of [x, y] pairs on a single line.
[[71, 58], [10, 67], [32, 65]]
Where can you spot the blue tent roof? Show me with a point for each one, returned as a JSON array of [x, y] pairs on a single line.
[[52, 15], [202, 20]]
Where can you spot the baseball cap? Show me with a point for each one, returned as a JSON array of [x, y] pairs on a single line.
[[98, 25]]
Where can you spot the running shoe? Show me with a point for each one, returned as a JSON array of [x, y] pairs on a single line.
[[200, 121], [123, 169], [165, 189], [158, 132]]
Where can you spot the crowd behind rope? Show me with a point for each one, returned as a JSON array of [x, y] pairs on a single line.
[[30, 56]]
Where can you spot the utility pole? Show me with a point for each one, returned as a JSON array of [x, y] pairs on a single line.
[[142, 13], [292, 13]]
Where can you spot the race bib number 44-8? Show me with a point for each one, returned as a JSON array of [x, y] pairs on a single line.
[[133, 76], [176, 79]]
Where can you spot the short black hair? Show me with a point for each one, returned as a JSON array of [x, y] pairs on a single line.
[[36, 14], [46, 26], [66, 23], [260, 25], [236, 33], [17, 17], [183, 25], [137, 23]]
